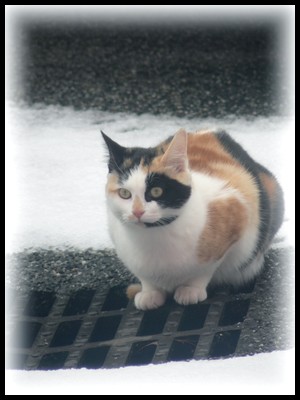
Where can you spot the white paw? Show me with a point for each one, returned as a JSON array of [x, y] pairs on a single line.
[[149, 300], [189, 295]]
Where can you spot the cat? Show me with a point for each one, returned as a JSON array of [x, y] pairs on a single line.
[[196, 209]]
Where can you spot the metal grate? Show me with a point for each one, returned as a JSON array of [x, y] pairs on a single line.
[[94, 329], [100, 328]]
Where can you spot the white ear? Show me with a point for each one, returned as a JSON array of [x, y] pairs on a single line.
[[175, 157]]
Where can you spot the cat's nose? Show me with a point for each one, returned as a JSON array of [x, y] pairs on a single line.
[[138, 213]]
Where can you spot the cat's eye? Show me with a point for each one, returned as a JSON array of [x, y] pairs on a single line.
[[156, 192], [124, 193]]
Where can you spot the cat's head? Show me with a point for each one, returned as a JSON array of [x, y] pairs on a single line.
[[148, 186]]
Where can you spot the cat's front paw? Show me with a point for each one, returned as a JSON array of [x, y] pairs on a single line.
[[149, 300], [185, 295]]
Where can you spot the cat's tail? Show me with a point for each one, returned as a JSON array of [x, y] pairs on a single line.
[[132, 290]]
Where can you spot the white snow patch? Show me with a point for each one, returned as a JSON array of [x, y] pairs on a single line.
[[262, 374], [56, 167]]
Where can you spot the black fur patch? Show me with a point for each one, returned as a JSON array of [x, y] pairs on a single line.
[[160, 222], [116, 154], [175, 194], [124, 159]]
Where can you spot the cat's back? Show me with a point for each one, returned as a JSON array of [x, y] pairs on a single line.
[[213, 152], [219, 155]]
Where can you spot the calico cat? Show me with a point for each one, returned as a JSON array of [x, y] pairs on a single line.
[[193, 210]]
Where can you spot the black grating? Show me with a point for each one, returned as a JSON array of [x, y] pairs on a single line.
[[65, 333], [79, 302], [93, 358], [105, 328], [193, 317], [102, 329], [53, 360], [224, 343], [183, 348], [115, 300], [234, 312], [153, 322], [39, 304], [141, 353]]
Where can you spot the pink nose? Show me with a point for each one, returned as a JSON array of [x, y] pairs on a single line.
[[138, 213]]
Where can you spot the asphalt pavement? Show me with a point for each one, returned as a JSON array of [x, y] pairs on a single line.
[[185, 70]]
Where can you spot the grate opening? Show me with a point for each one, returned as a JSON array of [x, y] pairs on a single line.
[[193, 317], [66, 333], [183, 348], [27, 332], [153, 322], [141, 353], [39, 304], [93, 358], [79, 302], [53, 361], [105, 328], [224, 343], [234, 312], [116, 299]]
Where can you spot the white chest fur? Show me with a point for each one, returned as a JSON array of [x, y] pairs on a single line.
[[167, 255]]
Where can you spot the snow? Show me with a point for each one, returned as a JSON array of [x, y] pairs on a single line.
[[263, 374], [57, 168]]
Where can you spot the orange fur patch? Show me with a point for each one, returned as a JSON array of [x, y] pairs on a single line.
[[227, 218], [132, 290], [206, 154], [112, 184], [127, 163], [203, 150]]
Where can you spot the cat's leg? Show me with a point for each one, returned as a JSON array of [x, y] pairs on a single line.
[[149, 297], [191, 292], [194, 291]]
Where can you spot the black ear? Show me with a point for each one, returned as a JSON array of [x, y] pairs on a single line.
[[116, 154]]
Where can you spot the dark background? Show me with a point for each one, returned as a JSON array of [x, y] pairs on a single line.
[[199, 69]]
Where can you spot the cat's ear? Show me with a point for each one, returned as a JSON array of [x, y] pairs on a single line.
[[175, 157], [116, 154]]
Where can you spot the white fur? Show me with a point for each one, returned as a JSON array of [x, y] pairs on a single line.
[[165, 258]]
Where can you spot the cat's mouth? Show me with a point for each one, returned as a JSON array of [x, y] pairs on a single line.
[[161, 222]]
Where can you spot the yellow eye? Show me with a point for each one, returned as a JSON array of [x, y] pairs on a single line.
[[156, 192], [124, 193]]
